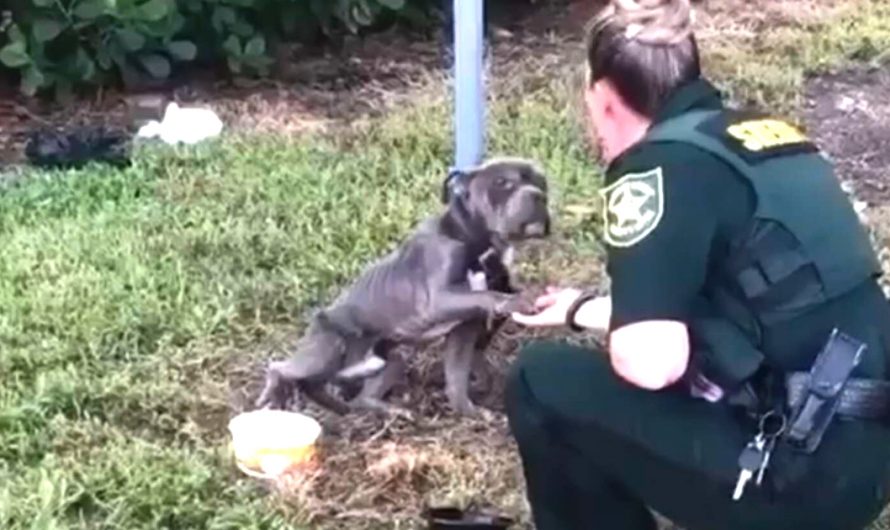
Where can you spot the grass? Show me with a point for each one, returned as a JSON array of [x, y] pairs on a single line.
[[764, 54], [122, 291], [135, 304]]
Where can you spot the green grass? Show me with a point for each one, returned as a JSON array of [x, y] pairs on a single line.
[[128, 295], [770, 67], [128, 299]]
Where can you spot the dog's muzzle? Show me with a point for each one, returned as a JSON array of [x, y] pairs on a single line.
[[526, 215], [537, 229], [539, 223]]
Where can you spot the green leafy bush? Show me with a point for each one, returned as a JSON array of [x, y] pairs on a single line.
[[65, 44]]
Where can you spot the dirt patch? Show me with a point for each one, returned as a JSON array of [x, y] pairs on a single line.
[[848, 113], [378, 472]]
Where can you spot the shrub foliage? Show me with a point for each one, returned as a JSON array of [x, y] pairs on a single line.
[[61, 45]]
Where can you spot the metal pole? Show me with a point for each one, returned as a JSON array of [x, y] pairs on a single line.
[[469, 96]]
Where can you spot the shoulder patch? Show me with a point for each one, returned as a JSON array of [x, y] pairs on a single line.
[[758, 137], [632, 207]]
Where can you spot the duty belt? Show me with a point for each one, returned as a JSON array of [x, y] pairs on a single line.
[[867, 399], [809, 401], [804, 408]]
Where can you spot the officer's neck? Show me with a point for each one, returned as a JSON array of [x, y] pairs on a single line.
[[630, 129]]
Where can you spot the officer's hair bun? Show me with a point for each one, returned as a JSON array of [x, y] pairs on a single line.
[[659, 22]]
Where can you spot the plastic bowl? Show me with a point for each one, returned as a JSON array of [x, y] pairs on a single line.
[[268, 443]]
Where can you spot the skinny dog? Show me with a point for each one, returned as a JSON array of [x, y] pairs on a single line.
[[449, 279]]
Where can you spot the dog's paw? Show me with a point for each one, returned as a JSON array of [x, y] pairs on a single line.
[[466, 409], [400, 412], [484, 415], [515, 303], [378, 406]]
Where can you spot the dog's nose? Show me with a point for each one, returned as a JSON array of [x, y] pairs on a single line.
[[536, 229]]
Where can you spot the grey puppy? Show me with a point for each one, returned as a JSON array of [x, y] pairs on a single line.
[[449, 279]]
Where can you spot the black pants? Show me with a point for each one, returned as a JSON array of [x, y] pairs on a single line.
[[598, 453]]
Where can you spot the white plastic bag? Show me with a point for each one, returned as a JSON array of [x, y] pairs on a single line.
[[183, 125]]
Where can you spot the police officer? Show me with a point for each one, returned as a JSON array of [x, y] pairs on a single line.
[[735, 263]]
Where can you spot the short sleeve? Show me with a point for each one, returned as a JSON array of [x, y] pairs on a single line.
[[663, 208]]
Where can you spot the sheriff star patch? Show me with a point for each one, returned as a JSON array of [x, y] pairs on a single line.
[[633, 207]]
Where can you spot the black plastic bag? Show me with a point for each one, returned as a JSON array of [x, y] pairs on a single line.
[[74, 149]]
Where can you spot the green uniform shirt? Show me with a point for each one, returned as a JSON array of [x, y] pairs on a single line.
[[670, 211], [690, 207]]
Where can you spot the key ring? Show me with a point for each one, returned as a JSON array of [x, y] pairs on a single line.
[[778, 431]]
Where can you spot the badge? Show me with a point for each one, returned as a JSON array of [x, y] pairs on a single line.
[[632, 207]]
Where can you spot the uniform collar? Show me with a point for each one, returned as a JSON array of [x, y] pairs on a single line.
[[697, 94]]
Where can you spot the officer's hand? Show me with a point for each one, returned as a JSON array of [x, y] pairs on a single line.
[[552, 308]]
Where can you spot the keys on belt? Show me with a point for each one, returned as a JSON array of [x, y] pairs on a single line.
[[754, 458], [813, 409]]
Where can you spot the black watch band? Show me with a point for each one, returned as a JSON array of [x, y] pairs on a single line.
[[576, 305]]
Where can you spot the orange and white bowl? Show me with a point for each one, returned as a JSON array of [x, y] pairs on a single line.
[[268, 443]]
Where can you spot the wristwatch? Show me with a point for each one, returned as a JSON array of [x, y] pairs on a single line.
[[583, 298]]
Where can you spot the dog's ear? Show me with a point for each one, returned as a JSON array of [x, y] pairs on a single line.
[[454, 185]]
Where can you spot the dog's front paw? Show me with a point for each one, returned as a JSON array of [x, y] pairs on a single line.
[[515, 303], [468, 410], [379, 406], [463, 407]]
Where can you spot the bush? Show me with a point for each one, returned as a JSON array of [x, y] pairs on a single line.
[[64, 44]]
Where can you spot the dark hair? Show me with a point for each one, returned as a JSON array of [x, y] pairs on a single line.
[[645, 48]]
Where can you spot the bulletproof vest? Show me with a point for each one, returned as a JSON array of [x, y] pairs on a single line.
[[804, 244]]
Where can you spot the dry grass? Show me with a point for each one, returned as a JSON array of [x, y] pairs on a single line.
[[379, 472]]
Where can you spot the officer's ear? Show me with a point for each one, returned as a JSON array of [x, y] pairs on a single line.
[[601, 99]]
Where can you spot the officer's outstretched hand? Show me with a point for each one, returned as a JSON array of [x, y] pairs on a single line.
[[551, 308]]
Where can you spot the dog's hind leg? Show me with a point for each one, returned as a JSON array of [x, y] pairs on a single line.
[[284, 377], [377, 386]]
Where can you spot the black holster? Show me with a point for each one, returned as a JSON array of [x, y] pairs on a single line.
[[812, 409]]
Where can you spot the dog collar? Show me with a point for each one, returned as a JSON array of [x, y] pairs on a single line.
[[454, 185]]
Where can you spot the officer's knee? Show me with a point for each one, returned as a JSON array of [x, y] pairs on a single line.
[[528, 359], [517, 393], [513, 386], [558, 379], [543, 357], [533, 371]]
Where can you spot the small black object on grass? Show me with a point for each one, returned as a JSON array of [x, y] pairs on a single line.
[[51, 149], [449, 517]]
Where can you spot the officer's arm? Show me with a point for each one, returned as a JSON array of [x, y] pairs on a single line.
[[663, 214], [648, 371], [631, 349]]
